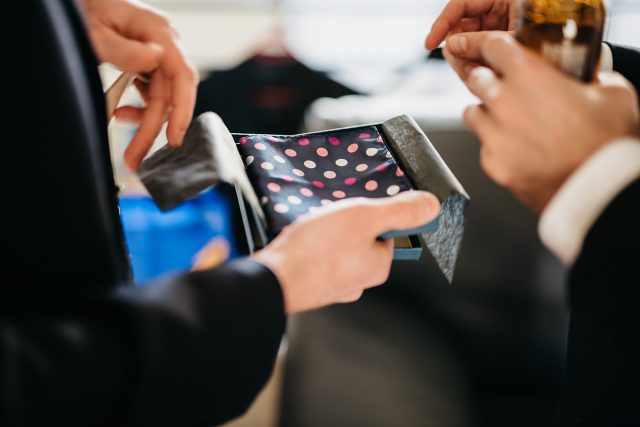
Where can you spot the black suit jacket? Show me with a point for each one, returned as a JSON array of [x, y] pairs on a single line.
[[78, 344], [626, 61], [601, 385]]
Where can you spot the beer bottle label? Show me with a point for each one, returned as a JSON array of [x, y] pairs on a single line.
[[569, 57]]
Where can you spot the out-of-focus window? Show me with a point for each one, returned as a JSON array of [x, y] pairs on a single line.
[[624, 19]]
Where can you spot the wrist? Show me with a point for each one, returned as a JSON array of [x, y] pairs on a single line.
[[275, 261]]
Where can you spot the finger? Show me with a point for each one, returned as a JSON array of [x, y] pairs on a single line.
[[485, 84], [503, 54], [468, 45], [408, 210], [151, 122], [451, 16], [128, 55], [462, 67], [469, 25], [143, 89], [183, 81], [183, 103], [180, 73], [482, 124], [129, 114]]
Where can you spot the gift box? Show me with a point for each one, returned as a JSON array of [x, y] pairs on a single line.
[[274, 179]]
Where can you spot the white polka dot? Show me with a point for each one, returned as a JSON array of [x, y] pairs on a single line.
[[298, 172], [393, 190], [281, 208], [267, 166], [330, 174], [341, 162], [279, 159], [372, 152], [249, 160], [294, 200], [326, 202], [388, 155], [264, 200], [362, 167], [310, 164]]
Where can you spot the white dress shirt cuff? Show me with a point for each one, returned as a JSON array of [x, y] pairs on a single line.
[[576, 206]]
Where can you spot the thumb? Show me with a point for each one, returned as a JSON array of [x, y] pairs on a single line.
[[405, 211], [128, 54]]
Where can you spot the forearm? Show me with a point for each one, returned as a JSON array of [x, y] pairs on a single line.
[[602, 374], [194, 349]]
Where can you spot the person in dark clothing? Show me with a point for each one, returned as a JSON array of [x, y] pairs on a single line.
[[571, 152], [78, 344]]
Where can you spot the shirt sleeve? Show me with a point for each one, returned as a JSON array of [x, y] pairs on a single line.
[[569, 216]]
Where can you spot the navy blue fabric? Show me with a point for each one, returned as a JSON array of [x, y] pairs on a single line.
[[294, 175]]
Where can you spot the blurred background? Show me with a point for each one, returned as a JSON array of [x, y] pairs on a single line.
[[486, 350]]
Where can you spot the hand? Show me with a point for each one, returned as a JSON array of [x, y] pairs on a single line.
[[137, 38], [536, 124], [465, 24], [460, 16], [333, 255]]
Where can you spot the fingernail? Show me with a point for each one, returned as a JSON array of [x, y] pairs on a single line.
[[457, 44]]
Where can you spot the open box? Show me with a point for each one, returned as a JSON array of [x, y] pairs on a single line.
[[277, 178]]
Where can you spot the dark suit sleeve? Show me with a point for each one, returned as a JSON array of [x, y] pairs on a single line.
[[602, 373], [192, 350], [626, 61]]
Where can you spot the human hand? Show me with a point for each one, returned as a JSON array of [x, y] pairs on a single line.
[[333, 255], [137, 38], [460, 16], [536, 124]]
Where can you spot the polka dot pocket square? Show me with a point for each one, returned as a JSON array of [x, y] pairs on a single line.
[[282, 177]]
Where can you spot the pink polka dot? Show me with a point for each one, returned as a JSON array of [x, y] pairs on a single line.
[[381, 167], [399, 172], [317, 184], [286, 178], [352, 148], [243, 140], [350, 181], [306, 192], [371, 185], [379, 138], [273, 139], [364, 135], [333, 140], [260, 146], [339, 194], [322, 152], [304, 141], [291, 153], [272, 186]]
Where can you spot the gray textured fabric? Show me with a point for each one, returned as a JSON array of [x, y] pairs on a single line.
[[207, 156], [426, 169]]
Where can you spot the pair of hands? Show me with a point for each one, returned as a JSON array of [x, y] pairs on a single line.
[[536, 125], [327, 257]]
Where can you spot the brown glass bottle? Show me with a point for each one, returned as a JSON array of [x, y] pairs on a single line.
[[566, 32]]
